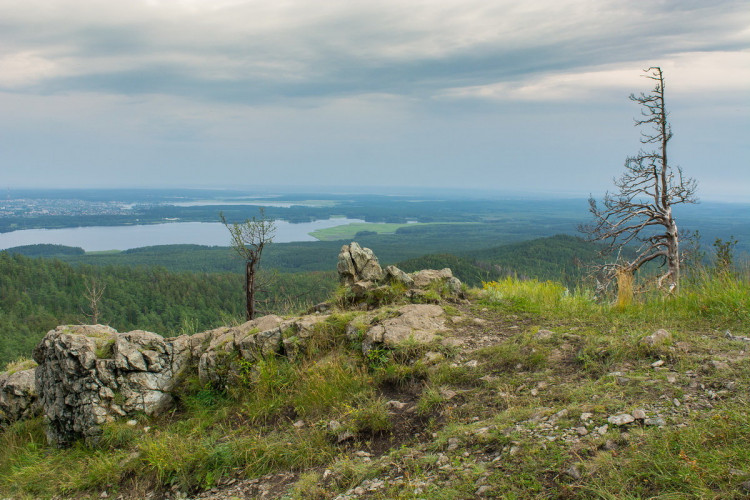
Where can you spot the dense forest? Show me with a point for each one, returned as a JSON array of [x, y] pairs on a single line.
[[36, 294]]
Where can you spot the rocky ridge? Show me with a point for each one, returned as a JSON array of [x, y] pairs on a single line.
[[88, 375]]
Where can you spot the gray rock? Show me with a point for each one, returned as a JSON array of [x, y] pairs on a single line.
[[621, 419], [357, 264], [417, 322], [396, 275], [657, 338], [89, 375], [639, 414], [657, 421], [424, 278], [18, 397]]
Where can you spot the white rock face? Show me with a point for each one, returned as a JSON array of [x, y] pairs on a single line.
[[420, 322], [90, 375], [358, 264]]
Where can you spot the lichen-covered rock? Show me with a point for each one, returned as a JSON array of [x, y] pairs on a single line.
[[89, 375], [18, 398], [230, 350], [426, 277], [416, 322], [358, 264], [396, 275]]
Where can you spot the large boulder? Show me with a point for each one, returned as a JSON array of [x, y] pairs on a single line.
[[90, 374], [18, 398], [358, 264], [415, 322]]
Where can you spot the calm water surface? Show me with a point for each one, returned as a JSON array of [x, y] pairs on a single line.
[[97, 238]]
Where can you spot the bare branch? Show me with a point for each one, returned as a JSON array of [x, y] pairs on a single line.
[[646, 193]]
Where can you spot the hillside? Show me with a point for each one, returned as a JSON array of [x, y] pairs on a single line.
[[528, 392]]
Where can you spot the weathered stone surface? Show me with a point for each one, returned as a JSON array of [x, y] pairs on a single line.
[[657, 338], [358, 264], [419, 322], [621, 419], [396, 275], [426, 277], [89, 375], [296, 334], [18, 397], [223, 360]]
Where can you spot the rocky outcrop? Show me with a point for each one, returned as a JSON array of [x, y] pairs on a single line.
[[18, 399], [90, 375], [361, 273], [358, 264], [229, 349]]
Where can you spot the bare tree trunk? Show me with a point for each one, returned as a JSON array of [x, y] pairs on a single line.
[[250, 290], [673, 255]]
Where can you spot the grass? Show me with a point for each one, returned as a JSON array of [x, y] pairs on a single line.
[[474, 416], [18, 365], [349, 231]]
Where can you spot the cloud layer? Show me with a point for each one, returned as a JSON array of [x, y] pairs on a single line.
[[311, 90]]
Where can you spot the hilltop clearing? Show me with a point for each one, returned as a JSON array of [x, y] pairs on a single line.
[[519, 390]]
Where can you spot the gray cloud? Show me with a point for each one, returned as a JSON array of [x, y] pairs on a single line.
[[315, 88]]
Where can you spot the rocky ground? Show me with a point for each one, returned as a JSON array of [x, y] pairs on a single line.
[[464, 439]]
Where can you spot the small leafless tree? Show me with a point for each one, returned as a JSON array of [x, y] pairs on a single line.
[[640, 211], [94, 292], [249, 238]]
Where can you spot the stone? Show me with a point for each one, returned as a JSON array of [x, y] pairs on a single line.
[[621, 419], [610, 445], [657, 364], [416, 322], [657, 421], [639, 414], [543, 334], [18, 396], [357, 264], [396, 275], [396, 405], [601, 430], [657, 338], [573, 472], [586, 416], [91, 374], [425, 277]]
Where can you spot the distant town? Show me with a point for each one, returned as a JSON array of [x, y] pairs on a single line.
[[34, 207]]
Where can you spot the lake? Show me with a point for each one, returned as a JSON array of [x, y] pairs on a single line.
[[97, 238]]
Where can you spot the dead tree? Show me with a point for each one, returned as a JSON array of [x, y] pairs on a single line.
[[639, 213], [249, 238], [94, 292]]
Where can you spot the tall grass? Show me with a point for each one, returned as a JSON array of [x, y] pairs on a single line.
[[539, 296], [707, 297]]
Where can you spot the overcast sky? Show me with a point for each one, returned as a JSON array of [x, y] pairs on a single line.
[[526, 96]]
